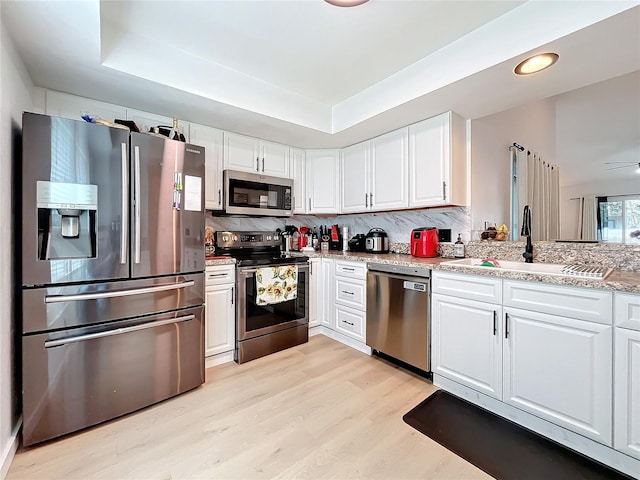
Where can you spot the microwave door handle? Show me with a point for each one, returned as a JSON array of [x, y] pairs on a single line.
[[136, 194], [124, 222]]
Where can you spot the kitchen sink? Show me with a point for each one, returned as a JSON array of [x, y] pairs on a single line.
[[564, 270]]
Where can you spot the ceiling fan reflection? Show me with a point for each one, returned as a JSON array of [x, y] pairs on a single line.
[[623, 165]]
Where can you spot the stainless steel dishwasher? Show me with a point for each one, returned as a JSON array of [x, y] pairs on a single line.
[[398, 314]]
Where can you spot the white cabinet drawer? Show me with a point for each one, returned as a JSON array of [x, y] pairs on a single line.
[[350, 322], [580, 303], [350, 293], [472, 287], [356, 270], [626, 310], [220, 274]]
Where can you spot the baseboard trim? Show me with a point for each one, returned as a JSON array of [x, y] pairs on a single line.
[[218, 359], [10, 450], [590, 448], [350, 342]]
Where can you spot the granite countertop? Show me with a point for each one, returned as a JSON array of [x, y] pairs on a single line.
[[617, 280], [213, 261]]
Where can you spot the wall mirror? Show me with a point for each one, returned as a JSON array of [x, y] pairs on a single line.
[[597, 150]]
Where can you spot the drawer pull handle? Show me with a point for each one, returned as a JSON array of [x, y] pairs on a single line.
[[212, 275], [495, 323], [346, 269], [348, 293], [348, 323], [506, 325]]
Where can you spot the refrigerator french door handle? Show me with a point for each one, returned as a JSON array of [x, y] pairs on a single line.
[[136, 194], [124, 223], [116, 331], [119, 293]]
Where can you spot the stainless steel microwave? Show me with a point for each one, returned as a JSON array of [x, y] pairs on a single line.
[[255, 194]]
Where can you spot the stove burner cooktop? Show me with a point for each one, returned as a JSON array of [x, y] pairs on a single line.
[[254, 248]]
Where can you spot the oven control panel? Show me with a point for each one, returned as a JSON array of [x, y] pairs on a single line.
[[247, 239]]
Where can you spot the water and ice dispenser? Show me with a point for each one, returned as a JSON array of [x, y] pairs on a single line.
[[66, 220]]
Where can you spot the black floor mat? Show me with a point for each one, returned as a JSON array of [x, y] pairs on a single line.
[[498, 446]]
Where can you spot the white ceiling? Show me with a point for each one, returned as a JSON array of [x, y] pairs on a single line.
[[312, 75]]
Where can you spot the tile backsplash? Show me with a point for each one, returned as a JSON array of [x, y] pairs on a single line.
[[398, 225]]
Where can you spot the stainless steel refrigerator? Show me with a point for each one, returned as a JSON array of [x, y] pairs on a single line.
[[112, 272]]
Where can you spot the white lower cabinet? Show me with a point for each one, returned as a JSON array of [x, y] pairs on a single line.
[[328, 279], [351, 322], [467, 342], [542, 362], [627, 374], [559, 369], [315, 292], [220, 316]]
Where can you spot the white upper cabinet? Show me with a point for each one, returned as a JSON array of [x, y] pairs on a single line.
[[437, 162], [297, 170], [323, 191], [70, 106], [241, 153], [253, 155], [354, 176], [389, 171], [274, 159], [211, 140], [374, 174]]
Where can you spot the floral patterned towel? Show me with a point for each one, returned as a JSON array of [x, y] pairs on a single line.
[[276, 284]]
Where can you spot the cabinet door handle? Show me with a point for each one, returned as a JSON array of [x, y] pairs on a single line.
[[371, 199], [444, 191], [257, 164], [262, 164], [220, 196], [310, 268], [232, 294], [309, 204], [506, 325], [366, 200], [495, 323]]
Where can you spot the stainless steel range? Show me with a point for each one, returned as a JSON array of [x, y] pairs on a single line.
[[272, 303]]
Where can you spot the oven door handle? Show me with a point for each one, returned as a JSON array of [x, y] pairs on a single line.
[[116, 331]]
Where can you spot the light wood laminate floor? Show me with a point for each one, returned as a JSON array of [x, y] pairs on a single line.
[[320, 410]]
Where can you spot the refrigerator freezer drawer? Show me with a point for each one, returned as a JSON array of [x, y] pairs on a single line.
[[80, 377], [71, 306]]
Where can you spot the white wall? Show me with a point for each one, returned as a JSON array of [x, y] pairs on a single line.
[[16, 95], [532, 126]]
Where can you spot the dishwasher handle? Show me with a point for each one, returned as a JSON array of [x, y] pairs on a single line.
[[399, 270], [405, 278]]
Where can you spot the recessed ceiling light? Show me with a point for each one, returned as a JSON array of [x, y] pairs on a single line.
[[536, 63], [346, 3]]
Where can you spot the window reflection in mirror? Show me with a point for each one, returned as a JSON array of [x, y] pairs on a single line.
[[618, 219]]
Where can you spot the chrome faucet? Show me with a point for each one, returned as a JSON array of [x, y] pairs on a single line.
[[526, 231]]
